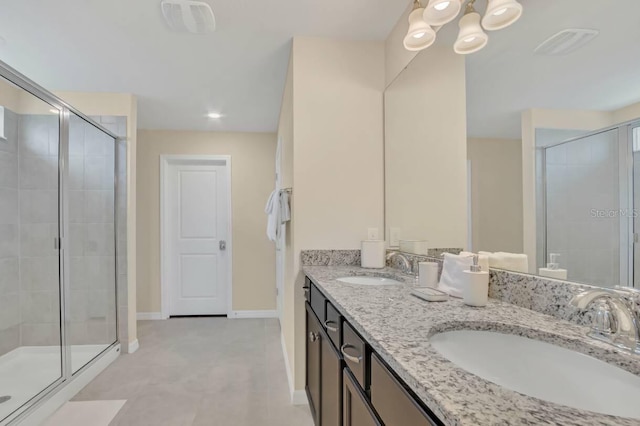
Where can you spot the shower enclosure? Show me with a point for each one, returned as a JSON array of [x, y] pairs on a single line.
[[58, 196], [589, 186]]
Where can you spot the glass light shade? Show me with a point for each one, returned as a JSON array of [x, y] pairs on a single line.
[[440, 12], [471, 37], [500, 14], [420, 34]]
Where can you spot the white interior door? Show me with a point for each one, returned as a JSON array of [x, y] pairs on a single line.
[[197, 204]]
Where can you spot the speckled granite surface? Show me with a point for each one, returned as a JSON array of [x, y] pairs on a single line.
[[398, 326]]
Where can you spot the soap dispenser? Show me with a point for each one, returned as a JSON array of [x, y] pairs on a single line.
[[553, 268], [476, 292]]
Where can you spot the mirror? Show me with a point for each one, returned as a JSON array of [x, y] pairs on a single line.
[[524, 150]]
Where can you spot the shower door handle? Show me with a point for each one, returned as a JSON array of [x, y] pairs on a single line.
[[223, 245]]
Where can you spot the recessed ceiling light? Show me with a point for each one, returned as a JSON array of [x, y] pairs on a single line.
[[214, 115]]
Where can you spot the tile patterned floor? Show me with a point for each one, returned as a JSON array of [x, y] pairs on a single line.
[[201, 372]]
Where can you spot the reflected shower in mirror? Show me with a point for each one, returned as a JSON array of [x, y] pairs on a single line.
[[527, 153]]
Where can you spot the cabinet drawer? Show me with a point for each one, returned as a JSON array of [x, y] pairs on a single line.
[[318, 303], [354, 351], [392, 402], [356, 409], [333, 325]]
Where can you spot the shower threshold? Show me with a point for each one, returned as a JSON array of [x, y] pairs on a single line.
[[27, 370]]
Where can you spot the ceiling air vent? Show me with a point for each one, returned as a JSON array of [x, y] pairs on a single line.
[[566, 41], [188, 16]]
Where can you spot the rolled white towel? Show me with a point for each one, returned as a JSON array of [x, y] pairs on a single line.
[[513, 262]]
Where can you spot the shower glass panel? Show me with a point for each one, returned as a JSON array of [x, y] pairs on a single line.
[[92, 298], [30, 321], [635, 137], [584, 215]]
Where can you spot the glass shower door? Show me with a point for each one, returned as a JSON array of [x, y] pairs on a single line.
[[635, 138], [92, 277], [586, 214], [30, 316]]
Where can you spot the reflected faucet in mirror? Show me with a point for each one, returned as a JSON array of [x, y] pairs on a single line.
[[617, 319], [405, 264]]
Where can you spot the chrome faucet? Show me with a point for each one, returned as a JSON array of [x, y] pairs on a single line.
[[617, 319], [405, 265]]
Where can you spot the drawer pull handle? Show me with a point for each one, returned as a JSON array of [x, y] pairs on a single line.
[[329, 327], [313, 337], [351, 358]]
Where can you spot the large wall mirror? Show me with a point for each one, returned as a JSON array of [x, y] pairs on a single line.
[[524, 147]]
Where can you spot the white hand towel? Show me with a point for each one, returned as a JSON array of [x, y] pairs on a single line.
[[272, 211], [285, 208], [452, 279]]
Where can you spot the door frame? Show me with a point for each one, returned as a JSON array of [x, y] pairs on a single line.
[[165, 162]]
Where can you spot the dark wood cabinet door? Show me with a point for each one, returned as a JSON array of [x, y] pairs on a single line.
[[391, 400], [356, 410], [314, 368], [331, 389]]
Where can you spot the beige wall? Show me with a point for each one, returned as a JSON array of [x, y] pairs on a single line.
[[253, 178], [285, 133], [630, 112], [396, 56], [426, 150], [496, 194], [331, 121]]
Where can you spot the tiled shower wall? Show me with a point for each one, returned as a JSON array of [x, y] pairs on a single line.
[[583, 208], [9, 237], [29, 296]]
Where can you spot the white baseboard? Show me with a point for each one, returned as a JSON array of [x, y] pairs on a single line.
[[133, 346], [149, 316], [298, 397], [253, 314]]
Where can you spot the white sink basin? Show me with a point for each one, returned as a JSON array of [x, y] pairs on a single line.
[[368, 281], [543, 371]]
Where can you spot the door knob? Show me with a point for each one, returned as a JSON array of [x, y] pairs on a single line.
[[223, 245]]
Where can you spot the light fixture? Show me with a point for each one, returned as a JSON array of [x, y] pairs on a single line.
[[471, 37], [214, 115], [500, 14], [420, 34], [440, 12]]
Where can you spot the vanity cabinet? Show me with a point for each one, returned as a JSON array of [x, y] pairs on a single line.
[[331, 384], [393, 403], [313, 360], [348, 384], [356, 409]]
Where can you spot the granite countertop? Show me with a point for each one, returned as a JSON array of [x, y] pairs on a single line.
[[398, 327]]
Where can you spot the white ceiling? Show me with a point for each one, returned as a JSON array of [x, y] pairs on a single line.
[[506, 77], [124, 46]]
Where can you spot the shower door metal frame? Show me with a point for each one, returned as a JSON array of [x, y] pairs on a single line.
[[64, 108]]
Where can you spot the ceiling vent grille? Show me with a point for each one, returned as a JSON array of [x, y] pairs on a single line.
[[566, 41], [188, 16]]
